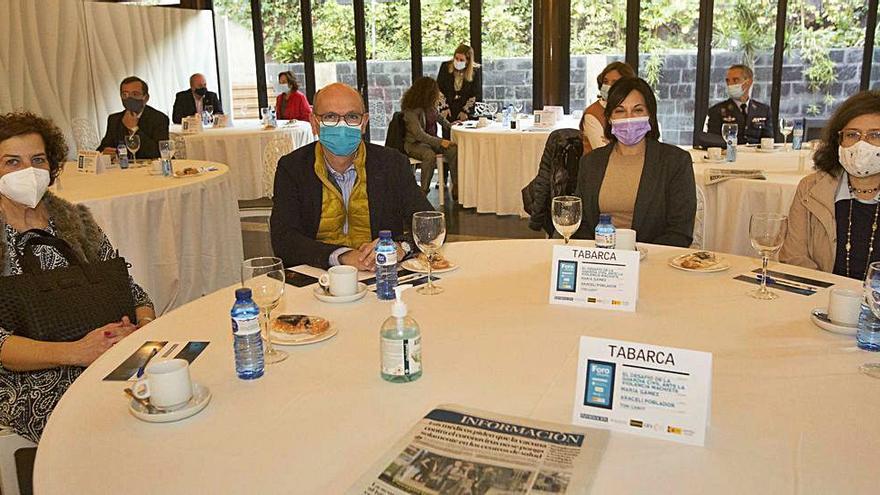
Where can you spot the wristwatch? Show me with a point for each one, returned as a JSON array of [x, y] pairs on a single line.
[[407, 248]]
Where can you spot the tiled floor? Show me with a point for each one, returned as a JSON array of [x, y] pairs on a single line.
[[462, 224]]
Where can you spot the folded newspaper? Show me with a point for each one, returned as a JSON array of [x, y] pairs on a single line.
[[453, 450], [716, 175]]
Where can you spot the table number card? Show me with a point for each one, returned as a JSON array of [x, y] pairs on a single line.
[[91, 162], [658, 392], [594, 277], [545, 119]]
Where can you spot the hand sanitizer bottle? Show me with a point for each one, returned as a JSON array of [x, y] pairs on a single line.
[[401, 343]]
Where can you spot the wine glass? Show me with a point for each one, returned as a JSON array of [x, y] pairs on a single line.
[[133, 143], [567, 211], [767, 232], [729, 132], [166, 149], [264, 276], [786, 126], [518, 106], [429, 232], [208, 115], [869, 338]]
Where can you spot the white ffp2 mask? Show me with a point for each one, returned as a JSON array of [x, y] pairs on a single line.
[[459, 65], [861, 159], [26, 186]]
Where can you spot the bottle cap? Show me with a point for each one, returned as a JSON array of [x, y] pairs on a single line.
[[384, 234], [243, 293], [604, 218], [398, 308]]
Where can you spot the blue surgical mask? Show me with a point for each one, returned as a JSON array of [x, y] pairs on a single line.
[[341, 139]]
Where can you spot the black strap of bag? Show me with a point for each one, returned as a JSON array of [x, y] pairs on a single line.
[[63, 304]]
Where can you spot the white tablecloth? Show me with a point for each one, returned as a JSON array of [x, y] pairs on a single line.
[[790, 412], [495, 163], [181, 236], [731, 203], [243, 148]]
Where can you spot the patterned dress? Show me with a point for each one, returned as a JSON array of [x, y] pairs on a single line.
[[27, 398]]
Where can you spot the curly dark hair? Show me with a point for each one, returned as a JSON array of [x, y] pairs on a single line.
[[23, 123], [291, 80], [621, 89], [422, 94], [826, 157]]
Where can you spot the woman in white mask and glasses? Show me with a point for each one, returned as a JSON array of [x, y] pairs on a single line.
[[460, 86], [834, 217], [34, 374]]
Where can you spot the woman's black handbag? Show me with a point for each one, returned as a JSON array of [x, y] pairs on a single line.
[[64, 304]]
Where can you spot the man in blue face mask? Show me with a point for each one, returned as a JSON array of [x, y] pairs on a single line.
[[333, 197], [137, 118], [753, 118]]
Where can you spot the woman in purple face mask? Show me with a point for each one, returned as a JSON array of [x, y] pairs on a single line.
[[644, 184]]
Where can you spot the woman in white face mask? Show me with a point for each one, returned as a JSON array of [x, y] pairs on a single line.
[[834, 217], [36, 373], [461, 86], [593, 121]]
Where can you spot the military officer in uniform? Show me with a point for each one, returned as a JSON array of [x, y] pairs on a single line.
[[753, 118]]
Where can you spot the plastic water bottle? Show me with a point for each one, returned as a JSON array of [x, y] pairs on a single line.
[[401, 343], [606, 234], [122, 155], [386, 266], [797, 135], [869, 330], [248, 343]]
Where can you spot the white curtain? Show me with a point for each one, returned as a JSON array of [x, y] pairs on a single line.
[[64, 59]]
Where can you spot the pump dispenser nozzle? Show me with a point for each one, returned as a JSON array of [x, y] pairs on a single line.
[[398, 308]]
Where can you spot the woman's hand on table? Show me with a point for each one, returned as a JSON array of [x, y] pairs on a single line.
[[85, 350]]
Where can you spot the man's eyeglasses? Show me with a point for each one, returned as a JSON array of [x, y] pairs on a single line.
[[332, 119], [133, 94], [849, 137]]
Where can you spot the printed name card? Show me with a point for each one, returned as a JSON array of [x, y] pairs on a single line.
[[594, 277], [91, 162], [545, 119], [658, 392]]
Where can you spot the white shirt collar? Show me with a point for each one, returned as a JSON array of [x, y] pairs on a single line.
[[843, 193]]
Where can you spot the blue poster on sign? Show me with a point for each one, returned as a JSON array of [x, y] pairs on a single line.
[[600, 384], [566, 276]]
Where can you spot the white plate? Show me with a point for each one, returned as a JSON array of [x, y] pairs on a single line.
[[819, 316], [720, 267], [321, 296], [706, 159], [415, 265], [201, 397], [762, 150], [282, 338], [181, 176]]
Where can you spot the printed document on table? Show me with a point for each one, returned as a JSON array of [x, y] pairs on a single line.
[[458, 450]]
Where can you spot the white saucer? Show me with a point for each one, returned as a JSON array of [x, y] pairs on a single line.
[[201, 397], [819, 317], [318, 292], [706, 159], [675, 262]]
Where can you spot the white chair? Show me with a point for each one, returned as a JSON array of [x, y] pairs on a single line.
[[84, 134], [10, 443], [700, 220], [483, 109], [179, 143], [441, 178], [277, 148]]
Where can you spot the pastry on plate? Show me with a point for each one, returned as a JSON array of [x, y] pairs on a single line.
[[437, 263], [699, 260], [300, 324]]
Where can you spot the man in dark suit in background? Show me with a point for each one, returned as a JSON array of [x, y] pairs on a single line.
[[137, 118], [193, 101], [753, 118]]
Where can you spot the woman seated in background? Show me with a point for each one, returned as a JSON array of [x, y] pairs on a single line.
[[291, 104], [460, 85], [644, 184], [34, 374], [592, 124], [832, 224], [421, 117]]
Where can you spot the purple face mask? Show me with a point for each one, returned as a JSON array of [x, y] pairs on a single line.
[[630, 131]]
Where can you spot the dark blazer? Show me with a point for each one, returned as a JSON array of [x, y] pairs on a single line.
[[758, 124], [391, 189], [666, 201], [152, 128], [185, 104], [462, 100]]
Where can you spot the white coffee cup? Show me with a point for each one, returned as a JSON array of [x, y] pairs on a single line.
[[626, 240], [483, 122], [767, 143], [714, 153], [166, 383], [844, 306], [341, 280]]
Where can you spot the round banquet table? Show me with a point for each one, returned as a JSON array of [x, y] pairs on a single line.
[[243, 147], [730, 204], [790, 413], [182, 236], [495, 163]]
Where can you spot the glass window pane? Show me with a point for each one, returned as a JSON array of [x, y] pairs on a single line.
[[389, 71], [668, 54], [445, 25], [598, 37], [283, 44], [333, 30], [507, 53], [235, 43]]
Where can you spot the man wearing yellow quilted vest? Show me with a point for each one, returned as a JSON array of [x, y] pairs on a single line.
[[333, 197]]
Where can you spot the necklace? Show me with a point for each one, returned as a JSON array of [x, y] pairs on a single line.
[[849, 234], [853, 189]]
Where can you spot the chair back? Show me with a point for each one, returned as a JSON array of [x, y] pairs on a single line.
[[277, 147], [700, 220], [557, 176], [84, 134], [10, 443], [179, 142], [813, 128], [396, 133]]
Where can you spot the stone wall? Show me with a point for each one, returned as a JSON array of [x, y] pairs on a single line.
[[509, 80]]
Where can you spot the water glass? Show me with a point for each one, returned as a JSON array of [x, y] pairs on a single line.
[[786, 126], [264, 276], [869, 331], [166, 149], [429, 232], [133, 143], [566, 212], [767, 233]]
